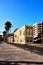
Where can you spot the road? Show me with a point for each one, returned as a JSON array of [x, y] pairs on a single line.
[[9, 52]]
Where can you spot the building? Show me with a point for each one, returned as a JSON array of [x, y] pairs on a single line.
[[1, 37], [23, 35], [10, 38], [38, 32]]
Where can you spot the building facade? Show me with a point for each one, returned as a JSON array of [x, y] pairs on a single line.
[[38, 32], [23, 35]]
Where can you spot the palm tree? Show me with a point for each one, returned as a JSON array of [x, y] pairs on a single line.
[[8, 25]]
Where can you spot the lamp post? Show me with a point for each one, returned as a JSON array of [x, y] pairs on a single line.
[[0, 36], [0, 31], [10, 34]]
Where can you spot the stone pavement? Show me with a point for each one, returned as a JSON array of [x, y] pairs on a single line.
[[12, 53]]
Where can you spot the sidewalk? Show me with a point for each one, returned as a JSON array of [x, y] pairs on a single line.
[[10, 52], [30, 47]]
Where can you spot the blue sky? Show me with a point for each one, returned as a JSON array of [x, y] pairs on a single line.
[[20, 12]]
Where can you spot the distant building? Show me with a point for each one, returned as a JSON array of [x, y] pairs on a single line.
[[38, 32], [23, 35], [27, 34], [10, 38], [1, 37]]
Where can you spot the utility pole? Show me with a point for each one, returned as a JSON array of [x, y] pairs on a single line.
[[10, 35], [0, 36]]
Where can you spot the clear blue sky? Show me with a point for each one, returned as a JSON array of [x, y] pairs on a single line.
[[20, 12]]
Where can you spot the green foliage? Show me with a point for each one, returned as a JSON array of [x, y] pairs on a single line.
[[4, 32], [8, 25]]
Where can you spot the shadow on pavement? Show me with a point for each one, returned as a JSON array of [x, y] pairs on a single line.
[[20, 63], [0, 42], [30, 48]]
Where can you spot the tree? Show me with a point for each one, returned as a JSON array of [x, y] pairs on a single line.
[[8, 26], [4, 35]]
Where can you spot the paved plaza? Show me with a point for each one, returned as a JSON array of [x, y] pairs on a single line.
[[9, 52]]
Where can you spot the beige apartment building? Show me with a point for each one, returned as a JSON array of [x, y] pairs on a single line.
[[38, 32], [23, 35]]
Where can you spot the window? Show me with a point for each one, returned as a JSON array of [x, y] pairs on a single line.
[[20, 40], [28, 32], [31, 32], [15, 35], [30, 40], [27, 40], [20, 32], [23, 32], [17, 40]]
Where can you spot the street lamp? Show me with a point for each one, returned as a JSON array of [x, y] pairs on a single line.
[[10, 34], [0, 31], [0, 36]]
